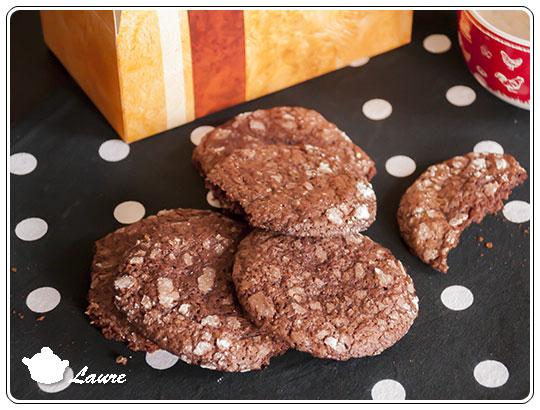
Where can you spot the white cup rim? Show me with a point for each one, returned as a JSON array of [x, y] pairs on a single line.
[[499, 32]]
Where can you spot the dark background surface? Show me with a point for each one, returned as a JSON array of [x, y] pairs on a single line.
[[75, 191]]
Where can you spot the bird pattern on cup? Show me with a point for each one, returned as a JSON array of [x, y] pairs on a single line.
[[511, 63], [512, 84], [498, 63]]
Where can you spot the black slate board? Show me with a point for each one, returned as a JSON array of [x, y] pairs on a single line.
[[75, 191]]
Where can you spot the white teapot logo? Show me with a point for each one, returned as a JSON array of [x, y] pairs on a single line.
[[46, 367]]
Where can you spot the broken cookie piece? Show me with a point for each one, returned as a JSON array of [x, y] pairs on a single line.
[[449, 196]]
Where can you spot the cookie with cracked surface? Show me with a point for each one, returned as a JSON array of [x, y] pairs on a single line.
[[449, 196], [176, 289], [109, 252], [336, 298], [283, 126], [295, 190]]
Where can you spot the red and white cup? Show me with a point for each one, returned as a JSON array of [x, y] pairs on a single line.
[[499, 61]]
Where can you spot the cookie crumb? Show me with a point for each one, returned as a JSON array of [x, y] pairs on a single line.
[[40, 318], [121, 360], [480, 239], [21, 316], [489, 245], [14, 269]]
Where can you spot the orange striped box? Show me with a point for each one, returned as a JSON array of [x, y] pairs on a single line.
[[153, 70]]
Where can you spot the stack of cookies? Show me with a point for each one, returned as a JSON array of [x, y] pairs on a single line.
[[287, 267]]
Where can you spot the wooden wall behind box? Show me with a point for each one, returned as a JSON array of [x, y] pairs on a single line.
[[152, 70]]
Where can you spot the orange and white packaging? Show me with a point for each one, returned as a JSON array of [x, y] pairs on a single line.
[[148, 71]]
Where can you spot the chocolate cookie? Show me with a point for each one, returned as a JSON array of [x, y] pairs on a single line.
[[109, 252], [296, 190], [279, 125], [335, 298], [176, 288], [449, 196]]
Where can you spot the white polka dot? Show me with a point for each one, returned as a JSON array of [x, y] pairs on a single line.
[[377, 109], [42, 300], [457, 297], [517, 211], [31, 229], [114, 150], [129, 212], [388, 389], [491, 373], [198, 133], [437, 43], [460, 95], [58, 386], [489, 146], [212, 201], [161, 359], [400, 166], [359, 62], [22, 163]]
